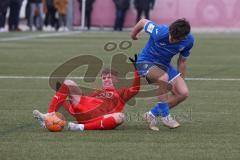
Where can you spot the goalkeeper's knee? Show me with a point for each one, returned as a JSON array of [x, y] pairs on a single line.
[[118, 117]]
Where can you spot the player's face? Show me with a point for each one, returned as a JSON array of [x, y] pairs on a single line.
[[108, 80]]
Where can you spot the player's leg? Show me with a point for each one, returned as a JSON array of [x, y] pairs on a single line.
[[160, 78], [107, 122], [119, 117], [157, 75], [40, 117], [74, 92], [179, 92], [68, 88]]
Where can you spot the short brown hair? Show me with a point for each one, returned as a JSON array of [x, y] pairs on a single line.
[[109, 71], [179, 29]]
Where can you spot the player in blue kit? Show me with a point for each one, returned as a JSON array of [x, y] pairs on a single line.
[[154, 63]]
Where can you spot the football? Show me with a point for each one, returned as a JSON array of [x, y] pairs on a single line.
[[55, 122]]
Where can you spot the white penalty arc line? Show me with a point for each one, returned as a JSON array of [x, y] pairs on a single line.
[[80, 78]]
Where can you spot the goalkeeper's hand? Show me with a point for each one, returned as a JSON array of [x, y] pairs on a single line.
[[134, 60]]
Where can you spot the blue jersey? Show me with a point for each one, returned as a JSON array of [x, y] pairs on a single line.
[[158, 48]]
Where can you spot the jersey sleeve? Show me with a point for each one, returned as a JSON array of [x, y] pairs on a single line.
[[155, 31], [186, 51], [128, 93]]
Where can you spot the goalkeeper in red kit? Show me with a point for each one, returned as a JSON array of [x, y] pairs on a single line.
[[100, 110]]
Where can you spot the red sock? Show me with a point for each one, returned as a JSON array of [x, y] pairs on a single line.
[[101, 124], [58, 98]]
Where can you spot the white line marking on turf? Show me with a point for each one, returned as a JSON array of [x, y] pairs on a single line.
[[46, 77], [44, 35], [213, 79]]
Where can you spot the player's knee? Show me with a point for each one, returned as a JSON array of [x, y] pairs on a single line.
[[69, 83], [185, 94], [119, 117], [163, 78]]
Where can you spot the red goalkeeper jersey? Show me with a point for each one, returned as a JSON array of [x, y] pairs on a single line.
[[104, 101]]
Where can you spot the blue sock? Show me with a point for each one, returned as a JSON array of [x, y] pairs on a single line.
[[161, 109]]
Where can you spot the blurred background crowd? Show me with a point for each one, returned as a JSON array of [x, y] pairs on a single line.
[[52, 15], [65, 15]]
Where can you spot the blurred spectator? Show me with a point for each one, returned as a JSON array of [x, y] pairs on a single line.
[[62, 7], [121, 8], [13, 20], [36, 4], [28, 12], [143, 6], [50, 19], [88, 11], [4, 4]]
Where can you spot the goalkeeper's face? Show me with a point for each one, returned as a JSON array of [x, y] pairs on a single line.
[[108, 80]]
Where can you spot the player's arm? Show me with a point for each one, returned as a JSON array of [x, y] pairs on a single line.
[[128, 93], [133, 89], [182, 59], [138, 28], [182, 64], [155, 31], [136, 82]]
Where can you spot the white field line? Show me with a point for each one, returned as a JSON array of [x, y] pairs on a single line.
[[46, 77], [213, 79], [43, 35], [55, 34]]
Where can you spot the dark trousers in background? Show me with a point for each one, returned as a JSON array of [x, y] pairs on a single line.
[[39, 20], [62, 20], [139, 14], [50, 18], [13, 20], [120, 19], [2, 18], [88, 18]]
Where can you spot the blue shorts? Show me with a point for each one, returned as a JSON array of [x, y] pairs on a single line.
[[144, 66]]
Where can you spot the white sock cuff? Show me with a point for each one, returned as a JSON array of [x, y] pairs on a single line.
[[151, 114], [80, 127]]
